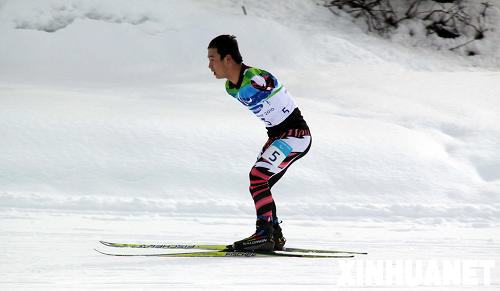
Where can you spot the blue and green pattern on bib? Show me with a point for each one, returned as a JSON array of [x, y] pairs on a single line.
[[285, 148]]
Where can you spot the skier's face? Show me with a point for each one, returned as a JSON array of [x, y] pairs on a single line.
[[216, 64]]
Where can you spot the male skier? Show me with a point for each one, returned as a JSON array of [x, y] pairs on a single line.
[[289, 136]]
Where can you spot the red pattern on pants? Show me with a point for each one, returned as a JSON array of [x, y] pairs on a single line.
[[264, 175]]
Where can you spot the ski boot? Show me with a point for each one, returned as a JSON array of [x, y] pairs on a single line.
[[261, 240], [279, 239]]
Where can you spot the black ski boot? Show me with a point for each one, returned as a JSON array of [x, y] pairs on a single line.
[[261, 240], [279, 239]]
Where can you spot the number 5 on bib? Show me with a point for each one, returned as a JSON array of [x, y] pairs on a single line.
[[277, 152]]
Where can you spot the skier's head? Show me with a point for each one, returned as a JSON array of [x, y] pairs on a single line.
[[226, 45], [223, 52]]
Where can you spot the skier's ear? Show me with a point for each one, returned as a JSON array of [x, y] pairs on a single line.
[[227, 59]]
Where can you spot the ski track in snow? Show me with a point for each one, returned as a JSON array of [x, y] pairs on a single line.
[[56, 250]]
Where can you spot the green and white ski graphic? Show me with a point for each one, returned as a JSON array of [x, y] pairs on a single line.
[[229, 254]]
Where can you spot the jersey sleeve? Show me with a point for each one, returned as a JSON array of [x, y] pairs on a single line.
[[257, 85], [261, 80]]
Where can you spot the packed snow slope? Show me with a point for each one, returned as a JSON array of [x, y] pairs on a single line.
[[109, 106]]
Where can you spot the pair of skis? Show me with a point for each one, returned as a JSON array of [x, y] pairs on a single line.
[[222, 251]]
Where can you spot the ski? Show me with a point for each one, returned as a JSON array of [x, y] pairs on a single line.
[[164, 246], [216, 247], [228, 254]]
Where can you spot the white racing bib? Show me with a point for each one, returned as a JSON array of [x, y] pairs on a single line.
[[264, 95], [277, 152], [275, 109]]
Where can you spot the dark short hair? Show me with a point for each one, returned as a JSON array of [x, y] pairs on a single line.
[[227, 45]]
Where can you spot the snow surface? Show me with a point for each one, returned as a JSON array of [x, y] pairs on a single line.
[[112, 127]]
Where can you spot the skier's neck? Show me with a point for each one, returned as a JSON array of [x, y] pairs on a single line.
[[234, 73]]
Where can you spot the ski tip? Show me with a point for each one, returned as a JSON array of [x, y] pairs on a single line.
[[108, 254], [100, 252], [107, 243]]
